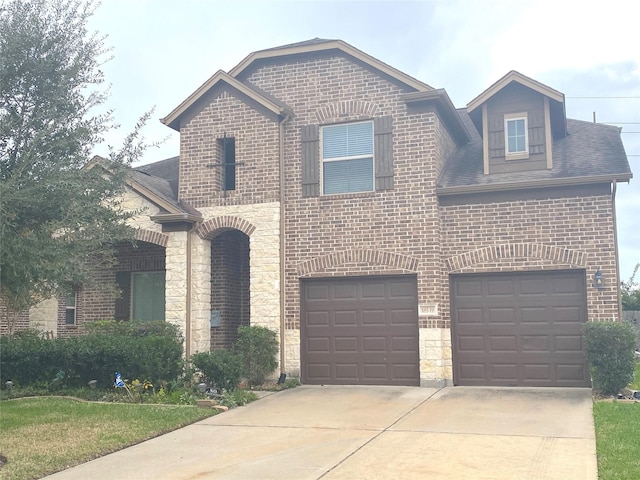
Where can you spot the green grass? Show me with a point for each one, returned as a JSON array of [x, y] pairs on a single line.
[[44, 435], [617, 440], [618, 437]]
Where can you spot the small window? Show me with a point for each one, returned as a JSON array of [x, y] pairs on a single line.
[[347, 158], [516, 137], [70, 308], [228, 157]]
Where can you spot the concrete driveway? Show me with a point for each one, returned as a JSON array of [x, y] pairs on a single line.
[[314, 432]]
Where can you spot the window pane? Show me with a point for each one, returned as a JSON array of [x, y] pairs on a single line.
[[148, 296], [70, 316], [347, 140], [346, 176], [516, 136]]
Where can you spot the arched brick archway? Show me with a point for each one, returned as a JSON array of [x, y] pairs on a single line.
[[227, 222], [150, 236], [507, 251], [375, 257]]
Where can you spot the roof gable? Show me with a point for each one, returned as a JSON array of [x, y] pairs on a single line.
[[321, 45], [556, 101], [173, 119]]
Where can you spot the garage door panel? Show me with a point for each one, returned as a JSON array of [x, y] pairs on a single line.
[[536, 343], [503, 343], [374, 317], [470, 315], [319, 344], [504, 371], [500, 288], [374, 344], [404, 344], [568, 343], [345, 344], [318, 318], [373, 333], [500, 315], [345, 372], [532, 287], [317, 292], [470, 343], [532, 337], [468, 288], [402, 318], [345, 292]]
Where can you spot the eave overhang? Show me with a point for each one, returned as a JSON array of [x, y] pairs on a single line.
[[541, 183], [152, 196], [173, 119], [439, 99], [176, 218]]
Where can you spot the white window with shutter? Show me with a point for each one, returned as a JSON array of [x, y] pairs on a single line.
[[347, 158]]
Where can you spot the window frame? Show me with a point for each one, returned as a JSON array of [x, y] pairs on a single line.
[[71, 308], [132, 306], [520, 154], [347, 158]]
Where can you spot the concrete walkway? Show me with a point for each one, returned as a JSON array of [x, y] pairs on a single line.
[[374, 432]]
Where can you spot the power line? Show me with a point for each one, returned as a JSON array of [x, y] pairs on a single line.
[[623, 98]]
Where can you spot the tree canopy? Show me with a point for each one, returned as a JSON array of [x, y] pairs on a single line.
[[58, 216], [631, 292]]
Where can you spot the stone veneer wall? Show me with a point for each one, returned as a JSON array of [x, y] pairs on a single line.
[[262, 220]]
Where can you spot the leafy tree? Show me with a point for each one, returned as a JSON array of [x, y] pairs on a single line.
[[631, 292], [56, 212]]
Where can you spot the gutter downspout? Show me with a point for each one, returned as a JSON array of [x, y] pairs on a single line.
[[282, 244], [615, 241]]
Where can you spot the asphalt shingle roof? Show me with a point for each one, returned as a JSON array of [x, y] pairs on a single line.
[[588, 150]]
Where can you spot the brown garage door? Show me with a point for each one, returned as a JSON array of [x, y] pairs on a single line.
[[360, 331], [519, 329]]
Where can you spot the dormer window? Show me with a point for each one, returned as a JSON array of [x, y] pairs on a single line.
[[516, 138]]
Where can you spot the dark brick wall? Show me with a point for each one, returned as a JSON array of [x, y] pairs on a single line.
[[229, 286]]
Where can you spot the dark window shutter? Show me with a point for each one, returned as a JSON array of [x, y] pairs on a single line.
[[123, 303], [310, 137], [383, 148]]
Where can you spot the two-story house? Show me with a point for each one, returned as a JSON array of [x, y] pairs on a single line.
[[386, 236]]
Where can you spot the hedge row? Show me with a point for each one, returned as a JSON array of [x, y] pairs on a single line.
[[144, 350]]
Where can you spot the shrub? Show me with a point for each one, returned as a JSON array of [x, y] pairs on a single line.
[[144, 350], [220, 368], [610, 350], [257, 347]]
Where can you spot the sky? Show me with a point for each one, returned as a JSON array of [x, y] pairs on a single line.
[[163, 50]]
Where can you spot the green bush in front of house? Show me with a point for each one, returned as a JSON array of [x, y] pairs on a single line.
[[258, 350], [143, 350], [610, 349], [221, 369]]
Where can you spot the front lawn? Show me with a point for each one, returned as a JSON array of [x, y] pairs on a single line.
[[44, 435], [618, 437], [617, 440]]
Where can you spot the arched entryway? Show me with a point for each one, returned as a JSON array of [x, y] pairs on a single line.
[[230, 300]]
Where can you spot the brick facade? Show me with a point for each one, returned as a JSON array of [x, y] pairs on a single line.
[[246, 246]]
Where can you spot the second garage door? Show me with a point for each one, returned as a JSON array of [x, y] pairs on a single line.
[[360, 331], [519, 329]]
